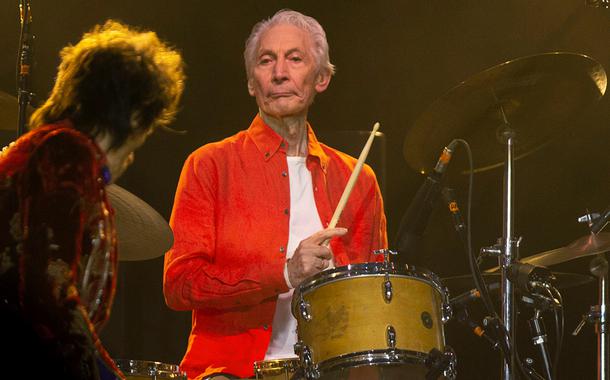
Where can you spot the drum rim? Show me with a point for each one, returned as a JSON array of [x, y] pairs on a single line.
[[134, 366], [366, 270], [280, 363], [371, 358]]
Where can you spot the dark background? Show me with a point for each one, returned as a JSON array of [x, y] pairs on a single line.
[[393, 59]]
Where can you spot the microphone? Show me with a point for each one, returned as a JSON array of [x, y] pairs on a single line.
[[451, 201], [465, 298], [477, 330], [601, 222], [415, 219], [529, 277]]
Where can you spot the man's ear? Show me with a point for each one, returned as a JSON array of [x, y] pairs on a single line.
[[322, 81], [250, 87]]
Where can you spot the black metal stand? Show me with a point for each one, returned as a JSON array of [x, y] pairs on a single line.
[[539, 339], [598, 316], [24, 96]]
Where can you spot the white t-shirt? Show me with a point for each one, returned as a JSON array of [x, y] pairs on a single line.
[[304, 221]]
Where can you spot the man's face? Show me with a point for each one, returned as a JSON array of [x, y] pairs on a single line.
[[284, 78]]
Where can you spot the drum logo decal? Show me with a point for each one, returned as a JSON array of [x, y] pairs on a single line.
[[335, 322]]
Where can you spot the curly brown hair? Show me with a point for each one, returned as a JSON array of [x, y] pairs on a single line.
[[115, 80]]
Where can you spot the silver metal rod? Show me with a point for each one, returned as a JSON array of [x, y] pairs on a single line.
[[603, 338], [507, 292]]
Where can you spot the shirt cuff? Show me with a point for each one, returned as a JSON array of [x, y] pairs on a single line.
[[286, 276]]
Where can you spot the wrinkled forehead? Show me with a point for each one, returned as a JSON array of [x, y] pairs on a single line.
[[282, 38]]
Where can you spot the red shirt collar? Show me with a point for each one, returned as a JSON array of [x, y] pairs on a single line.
[[269, 142]]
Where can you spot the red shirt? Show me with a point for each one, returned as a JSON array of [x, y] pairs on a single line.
[[230, 222]]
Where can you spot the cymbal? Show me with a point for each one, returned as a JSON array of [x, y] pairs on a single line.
[[9, 110], [585, 246], [537, 95], [463, 283], [142, 233]]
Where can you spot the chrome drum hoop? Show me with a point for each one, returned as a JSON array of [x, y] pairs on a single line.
[[274, 367], [371, 270], [154, 370], [371, 358]]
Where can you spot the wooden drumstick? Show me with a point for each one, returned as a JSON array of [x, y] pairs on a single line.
[[350, 185]]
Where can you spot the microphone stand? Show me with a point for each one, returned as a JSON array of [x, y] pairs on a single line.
[[24, 96], [598, 314], [599, 268]]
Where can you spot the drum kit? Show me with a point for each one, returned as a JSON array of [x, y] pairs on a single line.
[[383, 320]]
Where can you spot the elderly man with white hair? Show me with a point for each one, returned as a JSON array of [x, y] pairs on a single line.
[[251, 212]]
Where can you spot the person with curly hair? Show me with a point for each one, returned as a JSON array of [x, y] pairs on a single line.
[[58, 248]]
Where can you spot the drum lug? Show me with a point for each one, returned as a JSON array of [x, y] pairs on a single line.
[[302, 350], [387, 290], [390, 335], [446, 313], [305, 308], [446, 309], [450, 372], [386, 256]]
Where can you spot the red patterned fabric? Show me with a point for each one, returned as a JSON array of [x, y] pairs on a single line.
[[230, 222], [57, 252]]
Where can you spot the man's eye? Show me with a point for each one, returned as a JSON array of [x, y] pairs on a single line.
[[264, 61], [296, 59]]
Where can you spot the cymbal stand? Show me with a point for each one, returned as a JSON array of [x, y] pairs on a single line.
[[509, 246], [598, 315], [539, 339], [603, 338], [541, 303]]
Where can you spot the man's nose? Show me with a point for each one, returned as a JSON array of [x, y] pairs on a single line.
[[280, 73]]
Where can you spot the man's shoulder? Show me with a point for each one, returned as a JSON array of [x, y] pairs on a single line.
[[339, 160], [226, 145]]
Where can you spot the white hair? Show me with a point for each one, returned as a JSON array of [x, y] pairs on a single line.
[[288, 16]]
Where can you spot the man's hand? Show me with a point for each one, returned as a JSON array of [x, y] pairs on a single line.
[[311, 256]]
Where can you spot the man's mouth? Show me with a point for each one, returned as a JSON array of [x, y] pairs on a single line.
[[276, 95]]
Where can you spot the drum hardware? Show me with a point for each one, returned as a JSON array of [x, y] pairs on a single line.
[[539, 339], [534, 296], [24, 59], [391, 336], [444, 363], [463, 284], [311, 370], [142, 370], [304, 307], [528, 367], [598, 316], [594, 244], [386, 287], [463, 317], [278, 369], [516, 99], [491, 251]]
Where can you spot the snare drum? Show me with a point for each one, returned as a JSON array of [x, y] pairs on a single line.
[[278, 369], [146, 370], [371, 314]]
